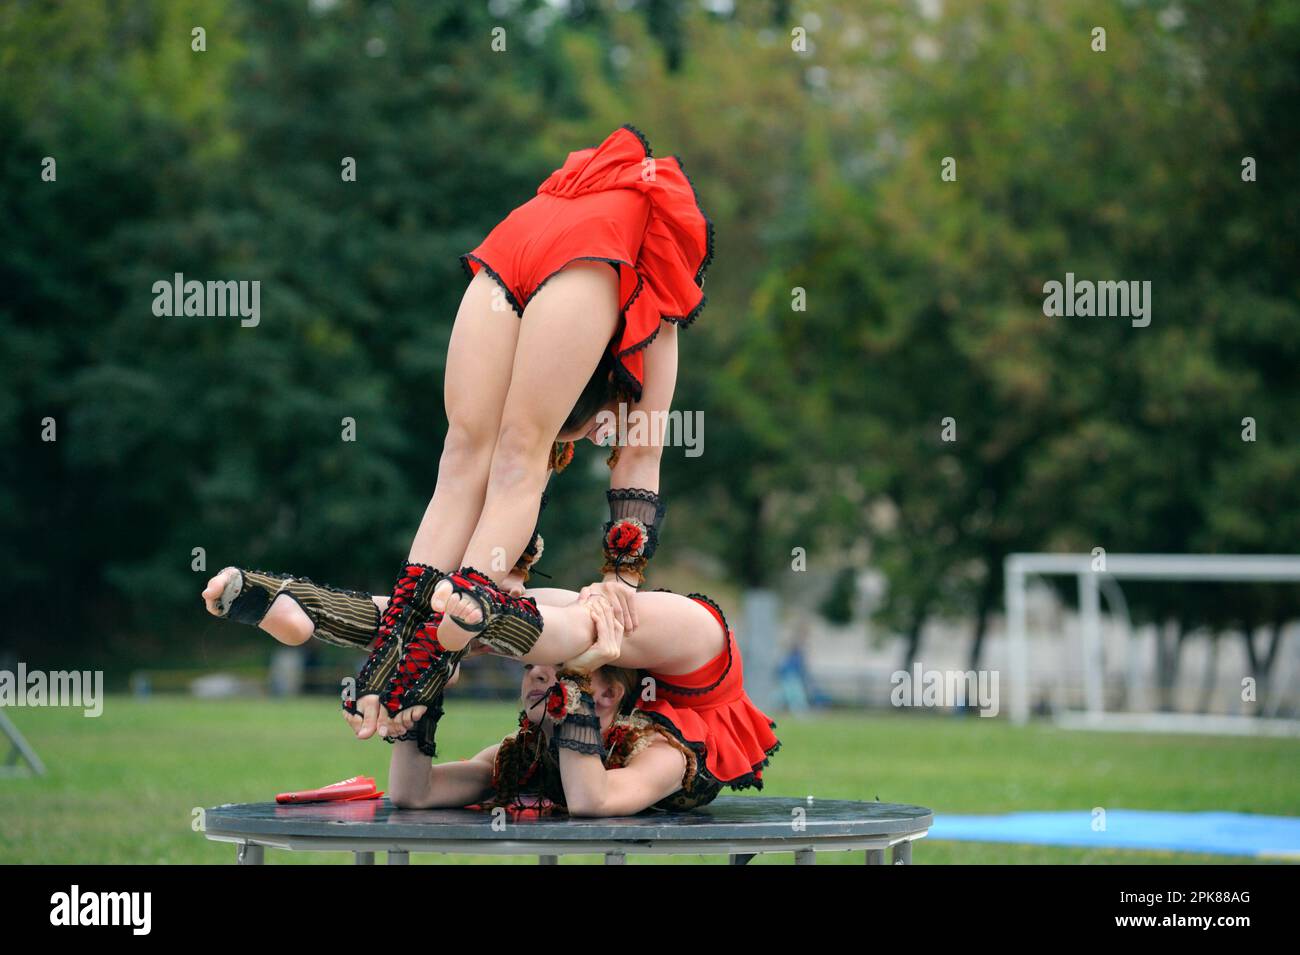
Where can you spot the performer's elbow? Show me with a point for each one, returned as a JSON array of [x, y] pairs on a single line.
[[587, 806], [404, 798]]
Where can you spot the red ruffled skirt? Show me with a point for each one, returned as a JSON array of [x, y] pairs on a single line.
[[709, 710], [613, 203]]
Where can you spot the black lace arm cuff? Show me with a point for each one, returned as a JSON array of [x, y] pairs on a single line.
[[581, 733], [573, 710], [425, 731], [636, 518]]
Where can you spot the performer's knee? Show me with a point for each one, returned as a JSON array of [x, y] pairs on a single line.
[[520, 455], [465, 451]]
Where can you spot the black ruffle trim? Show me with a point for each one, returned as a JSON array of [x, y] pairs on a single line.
[[708, 223], [645, 143], [627, 380], [751, 780], [705, 598], [632, 494], [644, 343], [510, 296], [699, 691], [592, 258]]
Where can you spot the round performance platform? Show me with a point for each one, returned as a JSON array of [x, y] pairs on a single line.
[[737, 826]]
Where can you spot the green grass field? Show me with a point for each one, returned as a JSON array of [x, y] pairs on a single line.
[[121, 788]]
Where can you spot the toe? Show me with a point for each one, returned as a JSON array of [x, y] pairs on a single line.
[[441, 594], [467, 609]]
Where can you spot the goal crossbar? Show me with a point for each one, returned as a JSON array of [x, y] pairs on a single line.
[[1264, 568]]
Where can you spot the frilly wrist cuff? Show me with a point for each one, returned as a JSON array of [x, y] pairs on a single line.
[[574, 711], [571, 695], [631, 535]]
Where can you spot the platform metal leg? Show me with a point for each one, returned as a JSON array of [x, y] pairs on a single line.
[[364, 858], [250, 853], [399, 857], [805, 857], [740, 858], [903, 853], [548, 860], [875, 857], [615, 858]]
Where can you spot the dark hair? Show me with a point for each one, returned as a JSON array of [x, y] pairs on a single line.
[[631, 681], [597, 393]]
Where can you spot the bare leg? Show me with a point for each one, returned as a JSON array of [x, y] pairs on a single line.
[[479, 361], [675, 634], [285, 619], [480, 357], [564, 330]]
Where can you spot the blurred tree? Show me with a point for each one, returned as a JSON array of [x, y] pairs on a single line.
[[877, 377]]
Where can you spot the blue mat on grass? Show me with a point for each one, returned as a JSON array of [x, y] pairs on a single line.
[[1222, 833]]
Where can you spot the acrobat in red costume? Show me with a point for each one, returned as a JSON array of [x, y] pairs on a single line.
[[604, 733], [573, 306]]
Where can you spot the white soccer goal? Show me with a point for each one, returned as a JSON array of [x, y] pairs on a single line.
[[1093, 581]]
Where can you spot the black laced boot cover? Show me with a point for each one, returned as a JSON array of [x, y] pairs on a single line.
[[511, 626], [344, 618], [408, 609]]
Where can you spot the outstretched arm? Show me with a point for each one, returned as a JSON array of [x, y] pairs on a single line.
[[414, 783], [592, 790], [634, 480], [638, 460]]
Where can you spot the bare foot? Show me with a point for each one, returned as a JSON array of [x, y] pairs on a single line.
[[454, 607], [284, 619]]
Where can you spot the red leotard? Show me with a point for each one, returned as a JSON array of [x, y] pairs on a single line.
[[613, 203], [709, 710]]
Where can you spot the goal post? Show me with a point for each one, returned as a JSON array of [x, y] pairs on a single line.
[[1102, 572]]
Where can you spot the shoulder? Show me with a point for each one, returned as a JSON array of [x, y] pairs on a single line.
[[632, 735], [637, 737]]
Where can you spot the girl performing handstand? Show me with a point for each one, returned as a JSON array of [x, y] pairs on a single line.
[[670, 725], [572, 307], [601, 265]]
